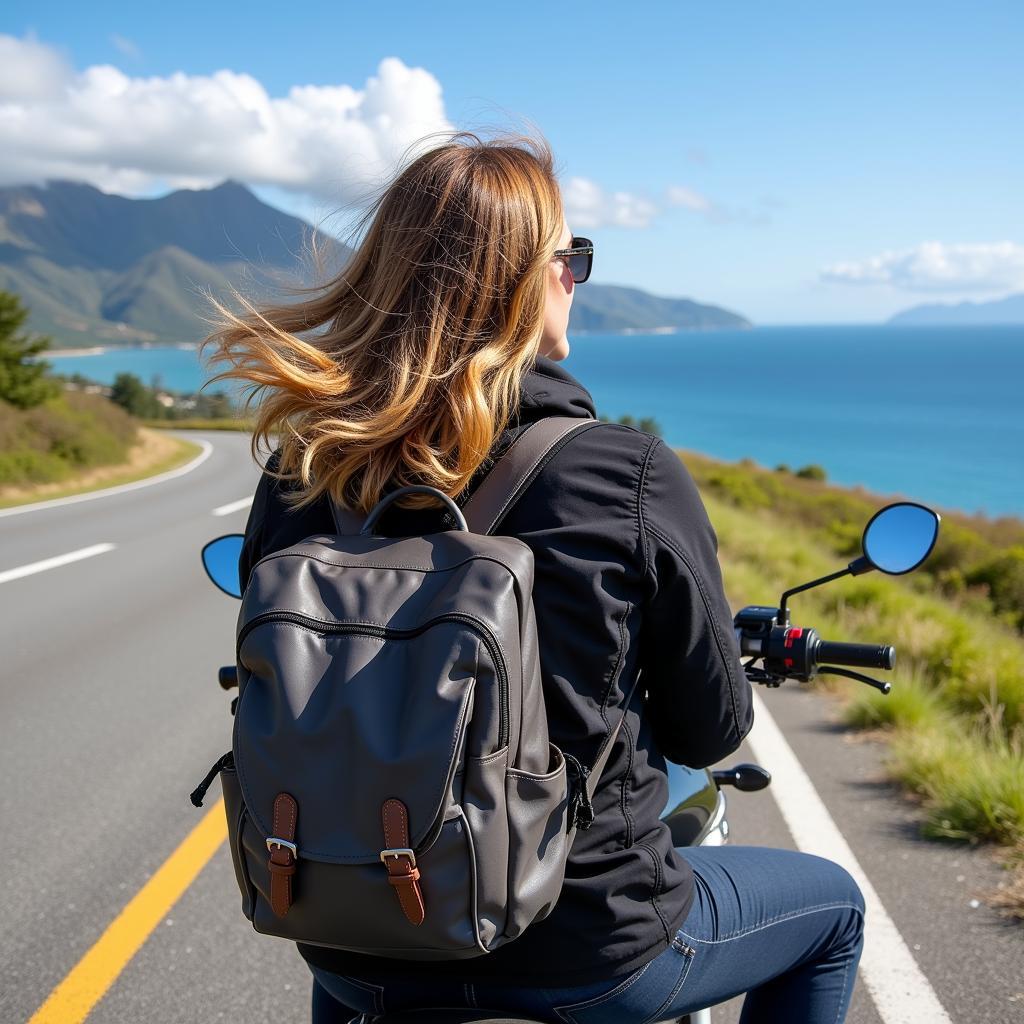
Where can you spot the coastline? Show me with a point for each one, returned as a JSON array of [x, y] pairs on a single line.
[[99, 350], [95, 350]]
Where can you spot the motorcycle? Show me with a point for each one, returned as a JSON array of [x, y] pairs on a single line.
[[897, 539]]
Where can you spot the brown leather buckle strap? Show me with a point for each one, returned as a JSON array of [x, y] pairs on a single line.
[[401, 861], [283, 853]]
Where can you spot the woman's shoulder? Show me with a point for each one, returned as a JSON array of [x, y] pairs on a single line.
[[613, 452], [279, 523], [592, 484]]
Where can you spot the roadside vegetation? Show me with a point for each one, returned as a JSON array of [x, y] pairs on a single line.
[[57, 439], [955, 716]]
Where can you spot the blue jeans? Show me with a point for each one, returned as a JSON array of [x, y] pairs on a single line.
[[784, 927]]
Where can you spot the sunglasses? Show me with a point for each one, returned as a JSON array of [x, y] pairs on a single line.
[[580, 258]]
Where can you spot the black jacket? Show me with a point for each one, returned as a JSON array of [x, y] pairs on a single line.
[[627, 577]]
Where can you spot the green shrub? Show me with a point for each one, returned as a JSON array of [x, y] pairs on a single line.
[[25, 466], [812, 472], [73, 431], [1003, 575], [134, 397], [738, 488]]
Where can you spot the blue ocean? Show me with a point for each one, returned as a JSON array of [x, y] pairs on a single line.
[[930, 413]]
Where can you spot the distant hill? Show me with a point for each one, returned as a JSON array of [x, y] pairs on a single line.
[[1002, 311], [98, 268], [610, 308]]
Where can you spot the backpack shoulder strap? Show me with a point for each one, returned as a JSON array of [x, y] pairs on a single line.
[[517, 468], [505, 481]]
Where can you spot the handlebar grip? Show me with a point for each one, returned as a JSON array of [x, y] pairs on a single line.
[[228, 677], [831, 652]]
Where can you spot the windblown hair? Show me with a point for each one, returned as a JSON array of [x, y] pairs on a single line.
[[421, 340]]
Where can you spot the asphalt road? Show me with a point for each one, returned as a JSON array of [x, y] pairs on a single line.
[[111, 714]]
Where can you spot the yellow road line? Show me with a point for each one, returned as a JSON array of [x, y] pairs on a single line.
[[71, 1001]]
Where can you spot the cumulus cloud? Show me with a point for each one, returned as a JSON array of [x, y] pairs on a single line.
[[30, 72], [939, 267], [126, 134], [135, 135], [587, 205], [690, 199]]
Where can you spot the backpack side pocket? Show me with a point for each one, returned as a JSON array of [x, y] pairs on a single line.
[[538, 843], [237, 818]]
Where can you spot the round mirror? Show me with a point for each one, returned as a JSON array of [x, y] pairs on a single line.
[[220, 560], [900, 537]]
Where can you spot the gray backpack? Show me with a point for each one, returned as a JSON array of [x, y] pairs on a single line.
[[391, 788]]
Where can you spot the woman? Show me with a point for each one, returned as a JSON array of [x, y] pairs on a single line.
[[436, 344]]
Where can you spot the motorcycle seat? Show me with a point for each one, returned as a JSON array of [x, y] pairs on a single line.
[[443, 1016]]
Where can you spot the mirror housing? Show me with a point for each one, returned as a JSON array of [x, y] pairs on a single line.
[[220, 560], [746, 777], [899, 537]]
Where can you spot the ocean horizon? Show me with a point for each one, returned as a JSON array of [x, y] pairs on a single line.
[[929, 413]]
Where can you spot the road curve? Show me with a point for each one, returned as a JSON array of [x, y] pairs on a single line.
[[111, 715]]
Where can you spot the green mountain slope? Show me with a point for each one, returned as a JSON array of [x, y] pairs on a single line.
[[613, 308]]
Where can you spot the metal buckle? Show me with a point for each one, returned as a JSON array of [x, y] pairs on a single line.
[[282, 844], [398, 853]]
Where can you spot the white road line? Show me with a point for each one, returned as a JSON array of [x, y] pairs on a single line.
[[901, 992], [120, 489], [234, 506], [53, 563]]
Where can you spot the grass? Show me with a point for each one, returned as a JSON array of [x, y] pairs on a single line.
[[971, 781], [955, 717], [110, 476], [197, 423]]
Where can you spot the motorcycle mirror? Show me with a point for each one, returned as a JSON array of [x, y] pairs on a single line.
[[220, 560], [900, 537]]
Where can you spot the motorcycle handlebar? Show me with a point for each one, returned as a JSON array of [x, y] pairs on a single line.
[[863, 655]]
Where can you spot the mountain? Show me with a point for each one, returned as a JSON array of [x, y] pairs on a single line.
[[94, 267], [1001, 311], [98, 268], [610, 308]]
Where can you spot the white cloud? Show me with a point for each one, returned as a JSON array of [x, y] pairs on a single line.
[[129, 135], [30, 72], [938, 267], [690, 199], [682, 195], [126, 46], [587, 205]]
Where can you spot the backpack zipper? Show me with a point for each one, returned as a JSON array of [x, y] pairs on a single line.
[[383, 632]]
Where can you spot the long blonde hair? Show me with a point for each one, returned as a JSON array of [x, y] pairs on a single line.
[[421, 340]]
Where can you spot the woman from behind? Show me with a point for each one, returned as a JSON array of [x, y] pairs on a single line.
[[420, 362]]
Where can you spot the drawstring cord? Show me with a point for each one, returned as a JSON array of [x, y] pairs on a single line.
[[581, 811], [197, 795]]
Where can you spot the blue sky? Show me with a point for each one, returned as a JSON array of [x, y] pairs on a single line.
[[796, 162]]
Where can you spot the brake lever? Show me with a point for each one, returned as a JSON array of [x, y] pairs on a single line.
[[760, 675], [834, 670]]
